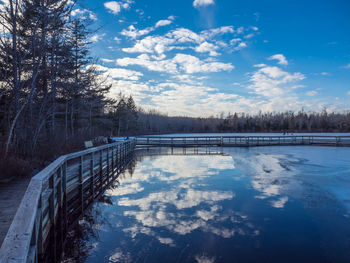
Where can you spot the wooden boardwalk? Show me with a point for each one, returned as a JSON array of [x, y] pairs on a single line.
[[56, 198], [11, 194], [242, 141]]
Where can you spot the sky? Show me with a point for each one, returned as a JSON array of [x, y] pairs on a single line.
[[208, 57]]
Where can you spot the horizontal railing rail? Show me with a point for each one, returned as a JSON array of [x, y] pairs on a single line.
[[183, 141], [56, 197]]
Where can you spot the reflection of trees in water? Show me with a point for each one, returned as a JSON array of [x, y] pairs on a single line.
[[78, 242], [84, 235], [132, 165]]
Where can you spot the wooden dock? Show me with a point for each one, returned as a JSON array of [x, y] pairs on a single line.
[[242, 141], [56, 198]]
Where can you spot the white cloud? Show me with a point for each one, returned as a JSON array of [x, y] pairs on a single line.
[[82, 12], [249, 36], [193, 99], [181, 38], [115, 7], [240, 30], [348, 93], [207, 47], [117, 39], [312, 93], [183, 35], [347, 66], [260, 65], [280, 58], [237, 44], [217, 31], [134, 33], [240, 46], [96, 37], [191, 64], [117, 73], [273, 82], [181, 62], [107, 60], [163, 23], [152, 65], [199, 3]]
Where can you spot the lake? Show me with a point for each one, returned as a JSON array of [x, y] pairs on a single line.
[[262, 204]]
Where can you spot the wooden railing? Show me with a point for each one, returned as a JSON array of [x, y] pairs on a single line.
[[56, 197], [190, 141]]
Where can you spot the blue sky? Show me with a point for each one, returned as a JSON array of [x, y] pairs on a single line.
[[204, 57]]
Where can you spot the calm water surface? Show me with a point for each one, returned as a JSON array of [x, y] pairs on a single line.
[[265, 204]]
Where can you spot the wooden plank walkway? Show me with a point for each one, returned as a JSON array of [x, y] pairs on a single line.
[[242, 141], [11, 194], [56, 198]]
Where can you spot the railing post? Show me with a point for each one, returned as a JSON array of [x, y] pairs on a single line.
[[108, 166], [65, 226], [52, 216], [113, 160], [60, 207], [81, 182], [92, 175], [101, 171], [118, 158], [40, 234]]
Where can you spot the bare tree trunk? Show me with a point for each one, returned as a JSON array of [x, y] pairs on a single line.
[[90, 120], [72, 118], [119, 127], [66, 120]]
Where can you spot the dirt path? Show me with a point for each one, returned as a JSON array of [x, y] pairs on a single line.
[[11, 194]]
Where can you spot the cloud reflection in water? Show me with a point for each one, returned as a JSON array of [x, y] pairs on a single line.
[[182, 202]]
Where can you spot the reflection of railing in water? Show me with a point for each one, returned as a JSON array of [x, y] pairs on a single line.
[[56, 197], [242, 141], [150, 151]]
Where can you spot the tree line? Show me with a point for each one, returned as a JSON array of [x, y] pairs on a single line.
[[51, 95], [154, 122], [47, 92]]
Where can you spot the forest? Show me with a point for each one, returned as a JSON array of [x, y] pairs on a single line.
[[52, 99]]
